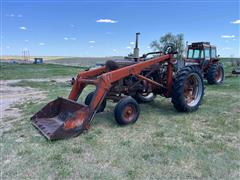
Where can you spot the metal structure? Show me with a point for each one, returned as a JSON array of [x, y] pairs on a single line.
[[204, 55], [38, 61], [127, 83], [25, 55], [136, 49]]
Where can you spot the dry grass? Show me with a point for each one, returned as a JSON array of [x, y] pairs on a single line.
[[63, 60]]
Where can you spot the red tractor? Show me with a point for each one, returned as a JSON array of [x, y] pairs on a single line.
[[205, 56], [126, 82]]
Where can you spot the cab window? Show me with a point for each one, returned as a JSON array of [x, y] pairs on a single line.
[[193, 54], [207, 53], [190, 53], [213, 53], [196, 54]]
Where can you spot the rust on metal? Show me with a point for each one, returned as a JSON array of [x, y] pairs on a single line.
[[190, 89], [149, 81], [219, 74], [76, 120], [54, 120], [65, 118], [128, 113]]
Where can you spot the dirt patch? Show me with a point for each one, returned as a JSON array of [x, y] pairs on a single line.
[[58, 80], [83, 61], [12, 96]]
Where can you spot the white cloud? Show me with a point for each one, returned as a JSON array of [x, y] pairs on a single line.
[[106, 21], [228, 36], [70, 38], [132, 43], [23, 28], [41, 44], [128, 47], [236, 21], [226, 48], [92, 42], [91, 46], [149, 47], [14, 15]]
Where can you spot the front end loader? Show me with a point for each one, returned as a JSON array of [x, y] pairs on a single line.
[[128, 83]]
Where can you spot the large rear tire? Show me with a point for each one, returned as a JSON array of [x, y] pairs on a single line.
[[188, 89], [126, 111], [215, 74], [88, 100]]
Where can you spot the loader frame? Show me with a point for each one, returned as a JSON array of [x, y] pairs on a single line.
[[65, 118], [127, 83], [104, 81]]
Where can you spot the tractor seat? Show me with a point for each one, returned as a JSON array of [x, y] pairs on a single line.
[[112, 65]]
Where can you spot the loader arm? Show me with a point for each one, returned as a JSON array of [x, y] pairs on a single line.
[[134, 69], [65, 118], [79, 85], [104, 81]]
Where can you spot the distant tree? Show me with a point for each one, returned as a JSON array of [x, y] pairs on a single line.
[[177, 40]]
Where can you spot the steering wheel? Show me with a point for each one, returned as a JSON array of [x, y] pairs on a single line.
[[169, 48]]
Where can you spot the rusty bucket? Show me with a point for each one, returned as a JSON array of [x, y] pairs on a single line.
[[61, 118]]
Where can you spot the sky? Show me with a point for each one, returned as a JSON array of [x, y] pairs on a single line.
[[107, 28]]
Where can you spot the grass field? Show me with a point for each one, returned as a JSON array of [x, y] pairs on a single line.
[[162, 144], [35, 71], [64, 60], [82, 61]]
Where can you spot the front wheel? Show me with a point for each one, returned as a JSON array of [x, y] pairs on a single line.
[[126, 111], [188, 89], [215, 74], [88, 100]]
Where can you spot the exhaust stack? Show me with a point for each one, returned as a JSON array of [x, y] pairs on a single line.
[[136, 49]]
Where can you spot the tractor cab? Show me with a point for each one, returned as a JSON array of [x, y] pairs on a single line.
[[201, 53], [204, 55]]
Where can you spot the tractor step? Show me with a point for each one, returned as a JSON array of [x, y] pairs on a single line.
[[61, 118]]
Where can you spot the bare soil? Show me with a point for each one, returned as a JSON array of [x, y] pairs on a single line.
[[10, 97]]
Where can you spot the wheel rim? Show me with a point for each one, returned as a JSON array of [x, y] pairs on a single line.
[[218, 75], [147, 95], [129, 113], [192, 90], [144, 93]]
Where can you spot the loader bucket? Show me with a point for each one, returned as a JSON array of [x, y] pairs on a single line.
[[61, 118]]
